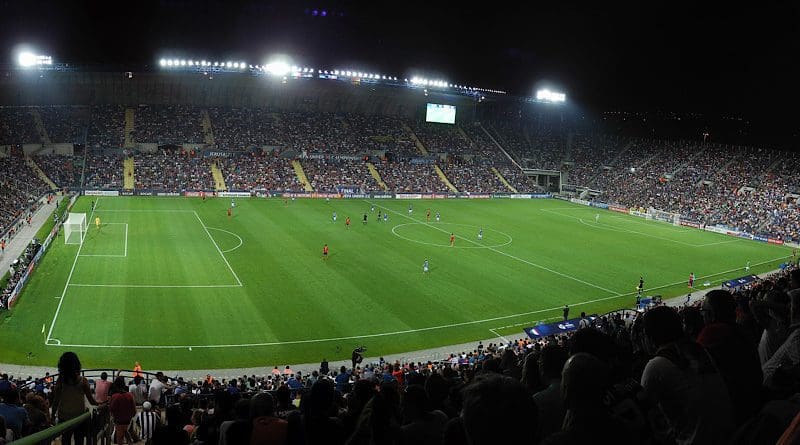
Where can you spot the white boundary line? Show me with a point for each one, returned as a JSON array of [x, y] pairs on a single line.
[[156, 286], [602, 226], [407, 331], [125, 254], [231, 233], [218, 249], [504, 253], [69, 277], [479, 246], [146, 211]]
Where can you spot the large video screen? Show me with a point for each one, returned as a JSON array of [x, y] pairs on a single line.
[[444, 114]]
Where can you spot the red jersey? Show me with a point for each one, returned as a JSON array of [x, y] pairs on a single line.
[[229, 211], [325, 250], [452, 238], [347, 221]]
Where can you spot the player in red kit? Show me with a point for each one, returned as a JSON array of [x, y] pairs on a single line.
[[230, 212], [325, 252], [347, 222], [691, 281], [452, 240]]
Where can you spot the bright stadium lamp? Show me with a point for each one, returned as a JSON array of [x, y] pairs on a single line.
[[242, 65], [546, 95], [162, 62], [277, 68], [26, 59]]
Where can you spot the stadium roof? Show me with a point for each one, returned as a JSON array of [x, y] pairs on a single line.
[[619, 55]]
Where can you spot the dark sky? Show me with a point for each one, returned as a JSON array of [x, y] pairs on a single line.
[[608, 55]]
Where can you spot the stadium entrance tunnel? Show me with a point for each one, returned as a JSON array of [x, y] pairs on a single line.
[[438, 235]]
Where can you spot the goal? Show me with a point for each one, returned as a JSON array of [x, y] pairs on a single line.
[[75, 228]]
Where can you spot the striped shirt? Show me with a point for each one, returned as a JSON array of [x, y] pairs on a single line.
[[147, 421]]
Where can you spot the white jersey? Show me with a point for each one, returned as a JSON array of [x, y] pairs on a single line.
[[233, 204]]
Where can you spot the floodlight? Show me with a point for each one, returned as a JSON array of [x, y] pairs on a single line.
[[277, 68], [191, 62], [229, 65], [27, 59], [550, 96], [162, 62], [243, 65], [349, 73], [170, 62]]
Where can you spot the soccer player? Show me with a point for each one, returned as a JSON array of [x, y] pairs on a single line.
[[428, 215], [596, 218], [365, 218], [347, 222], [203, 195], [97, 221], [566, 312], [691, 281], [480, 234], [425, 267], [640, 287], [325, 252], [437, 216], [334, 216], [230, 212], [233, 204], [379, 216], [372, 208], [410, 209], [386, 217], [452, 240], [747, 266]]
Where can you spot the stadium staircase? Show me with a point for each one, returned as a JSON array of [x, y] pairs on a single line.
[[503, 180], [417, 142], [612, 162], [208, 133], [301, 176], [129, 180], [444, 179], [129, 121], [40, 130], [497, 144], [35, 167], [374, 172], [219, 179]]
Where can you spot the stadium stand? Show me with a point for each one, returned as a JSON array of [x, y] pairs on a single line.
[[626, 367], [259, 171]]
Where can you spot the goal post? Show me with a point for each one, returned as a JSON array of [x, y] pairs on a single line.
[[75, 228]]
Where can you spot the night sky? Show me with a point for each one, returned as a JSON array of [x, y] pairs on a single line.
[[606, 56]]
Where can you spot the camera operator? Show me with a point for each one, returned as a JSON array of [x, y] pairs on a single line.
[[357, 356]]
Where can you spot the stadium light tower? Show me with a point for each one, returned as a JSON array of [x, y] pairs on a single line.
[[27, 59], [545, 95], [278, 67]]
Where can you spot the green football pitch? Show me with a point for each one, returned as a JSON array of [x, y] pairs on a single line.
[[175, 283]]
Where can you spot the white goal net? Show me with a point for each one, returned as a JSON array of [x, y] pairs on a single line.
[[75, 228]]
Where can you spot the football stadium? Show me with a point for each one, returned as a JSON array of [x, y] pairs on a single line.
[[211, 249]]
